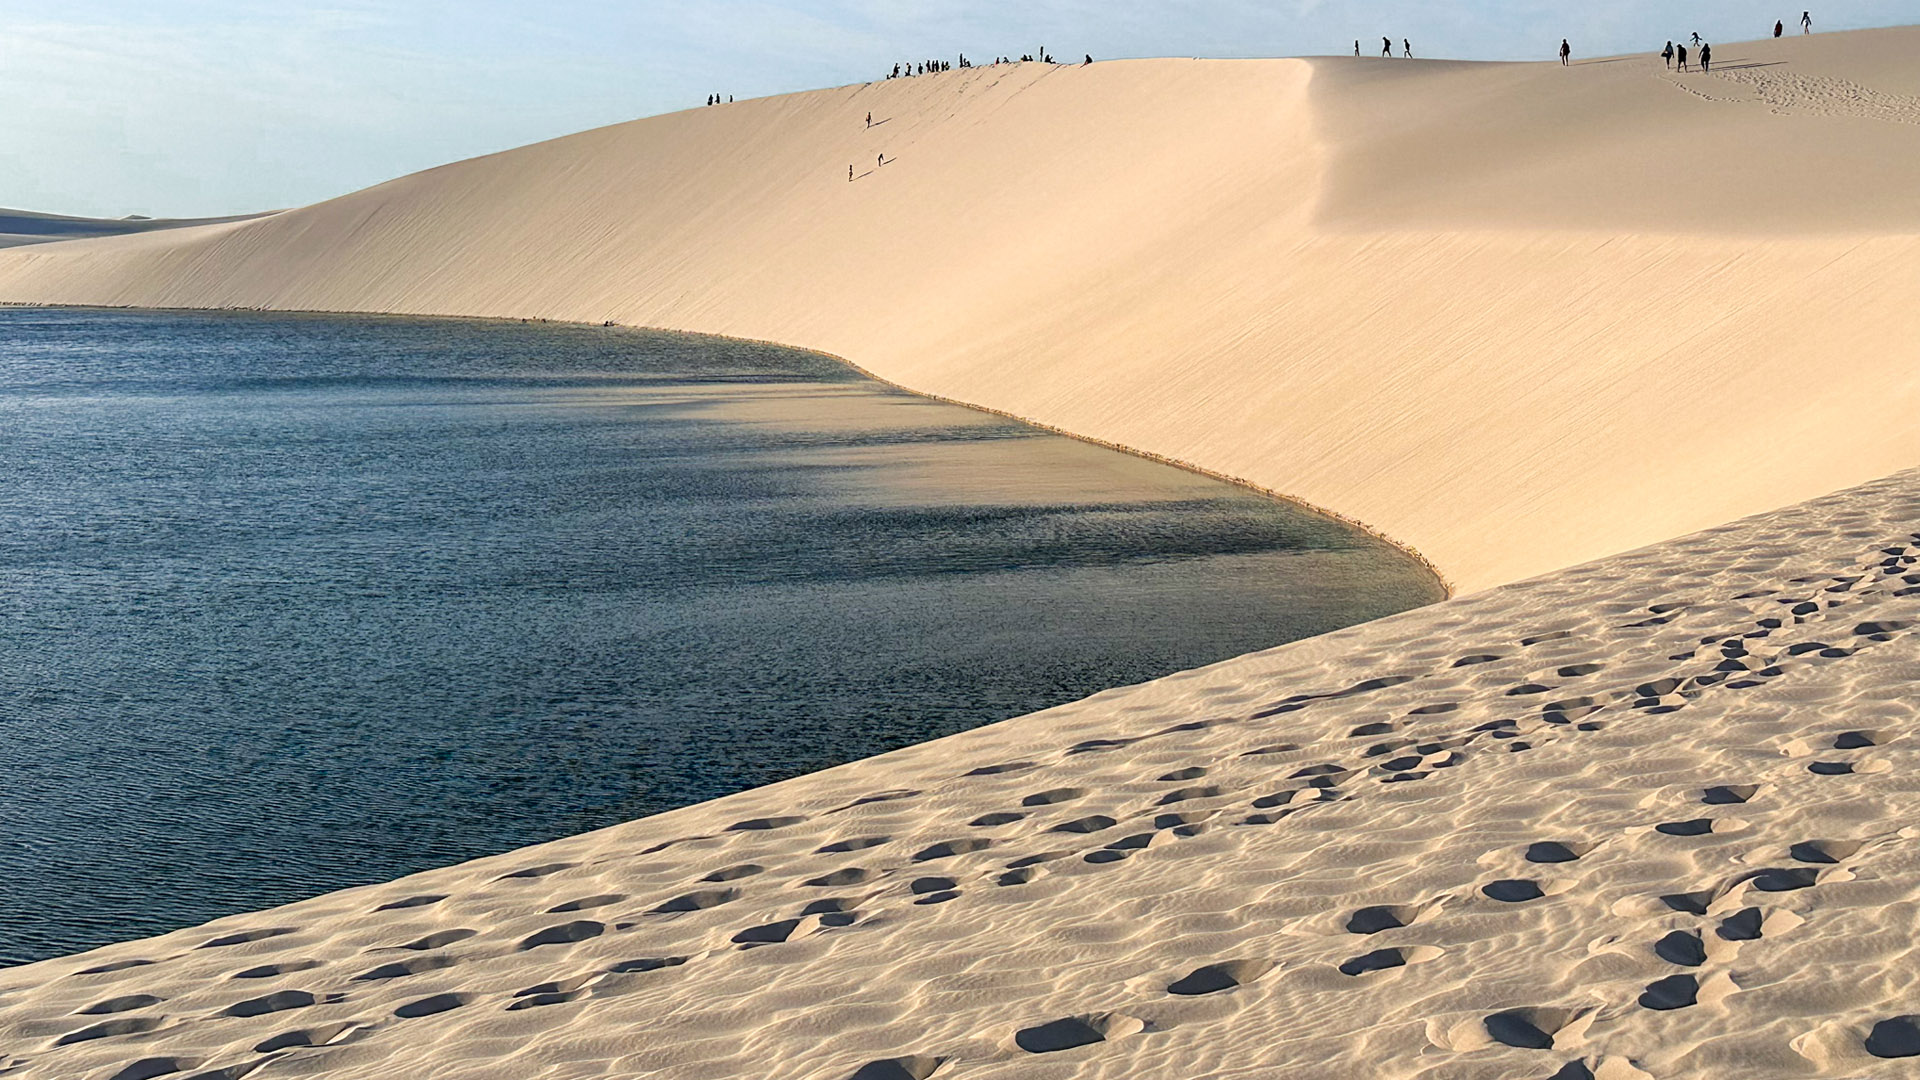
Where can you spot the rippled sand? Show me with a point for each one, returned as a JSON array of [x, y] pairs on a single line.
[[1649, 816]]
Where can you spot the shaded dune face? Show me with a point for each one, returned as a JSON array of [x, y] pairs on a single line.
[[1514, 317], [1667, 880]]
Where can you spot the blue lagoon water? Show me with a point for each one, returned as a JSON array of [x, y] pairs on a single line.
[[292, 603]]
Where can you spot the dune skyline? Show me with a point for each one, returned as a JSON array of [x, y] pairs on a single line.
[[1625, 353]]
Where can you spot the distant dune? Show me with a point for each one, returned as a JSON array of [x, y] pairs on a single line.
[[21, 227], [1515, 316]]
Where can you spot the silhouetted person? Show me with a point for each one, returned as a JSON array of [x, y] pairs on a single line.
[[1779, 28], [1386, 46], [1356, 46], [1408, 45], [1681, 53], [1667, 55], [1806, 22], [869, 119], [849, 174], [881, 161], [1089, 60], [1566, 52], [1706, 58], [1696, 37]]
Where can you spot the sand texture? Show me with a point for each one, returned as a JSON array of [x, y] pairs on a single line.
[[1516, 316], [1653, 816]]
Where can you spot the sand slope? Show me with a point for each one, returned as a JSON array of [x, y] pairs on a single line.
[[1516, 316], [22, 227], [1654, 816]]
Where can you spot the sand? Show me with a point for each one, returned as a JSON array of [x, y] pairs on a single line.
[[1652, 816], [21, 227], [1515, 316]]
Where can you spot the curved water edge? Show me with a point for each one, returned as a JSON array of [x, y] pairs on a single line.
[[305, 601], [1439, 575]]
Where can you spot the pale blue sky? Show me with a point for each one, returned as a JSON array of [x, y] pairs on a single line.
[[199, 107]]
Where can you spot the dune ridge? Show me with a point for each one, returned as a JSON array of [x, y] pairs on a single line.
[[1647, 817], [1512, 316]]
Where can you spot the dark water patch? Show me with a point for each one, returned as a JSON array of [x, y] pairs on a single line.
[[292, 603]]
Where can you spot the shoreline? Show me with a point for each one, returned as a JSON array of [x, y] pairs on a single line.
[[1439, 577]]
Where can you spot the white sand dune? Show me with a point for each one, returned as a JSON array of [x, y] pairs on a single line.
[[21, 227], [1653, 816], [1650, 816], [1514, 316]]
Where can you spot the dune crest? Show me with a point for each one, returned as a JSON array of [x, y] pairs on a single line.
[[1513, 316]]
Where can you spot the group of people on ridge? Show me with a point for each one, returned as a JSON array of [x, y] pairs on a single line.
[[934, 67], [1386, 47], [1671, 53]]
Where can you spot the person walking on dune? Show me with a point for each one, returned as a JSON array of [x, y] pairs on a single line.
[[1706, 58], [1779, 28], [1681, 53], [1667, 55], [1806, 22], [1566, 53], [1356, 46], [1386, 46], [1696, 38], [1408, 46]]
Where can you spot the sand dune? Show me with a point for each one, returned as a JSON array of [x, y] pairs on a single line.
[[21, 227], [1514, 316], [1652, 816]]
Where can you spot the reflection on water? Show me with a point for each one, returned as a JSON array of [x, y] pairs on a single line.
[[291, 603]]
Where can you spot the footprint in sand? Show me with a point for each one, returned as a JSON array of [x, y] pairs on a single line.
[[587, 903], [1824, 851], [320, 1035], [564, 934], [410, 902], [438, 940], [1557, 851], [1522, 890], [275, 1002], [765, 823], [696, 901], [1072, 1031], [536, 871], [125, 1003], [1896, 1037], [914, 1067], [400, 969], [1225, 975], [861, 843], [1388, 959], [246, 937], [1535, 1028], [149, 1068], [947, 849], [268, 971], [429, 1006], [125, 1025], [1372, 920]]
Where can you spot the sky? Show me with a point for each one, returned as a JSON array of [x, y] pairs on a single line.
[[183, 108]]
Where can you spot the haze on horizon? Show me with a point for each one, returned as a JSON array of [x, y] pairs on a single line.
[[185, 108]]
